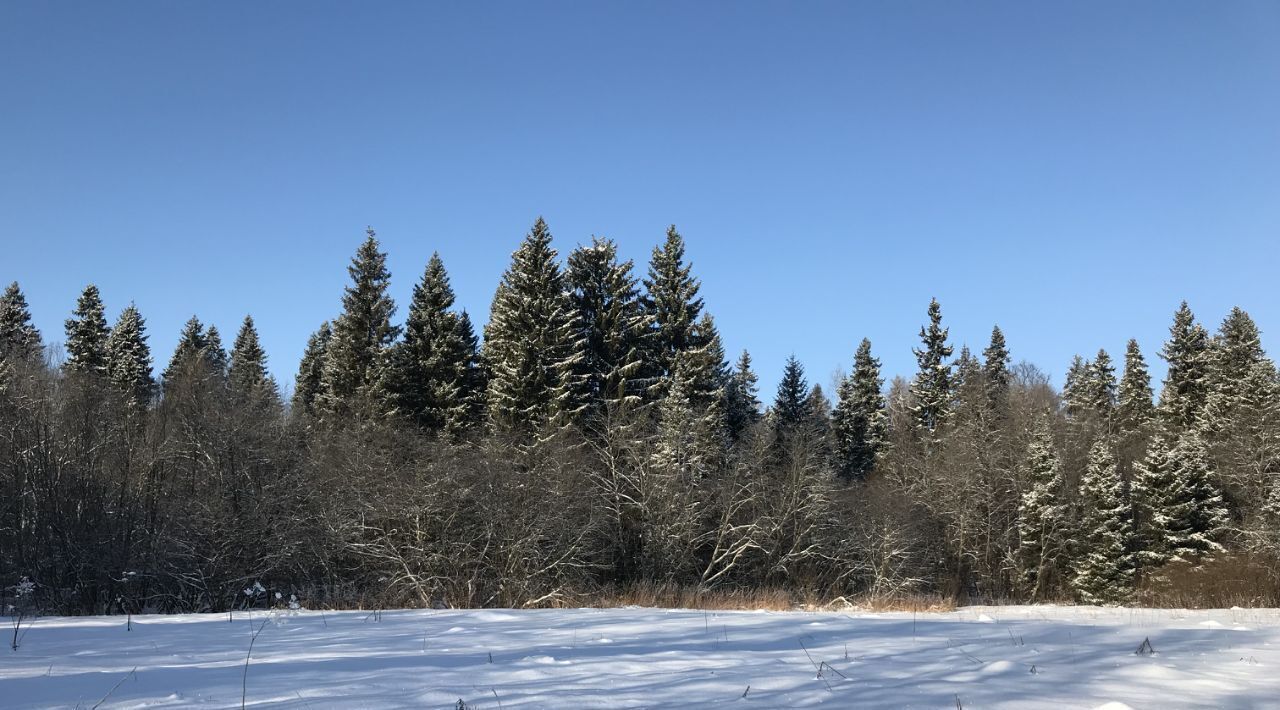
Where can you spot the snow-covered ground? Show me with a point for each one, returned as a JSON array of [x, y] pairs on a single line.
[[982, 657]]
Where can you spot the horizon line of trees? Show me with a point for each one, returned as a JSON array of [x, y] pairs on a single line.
[[598, 437]]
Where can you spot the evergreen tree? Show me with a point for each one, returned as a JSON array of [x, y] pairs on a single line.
[[996, 370], [1185, 386], [193, 343], [1236, 351], [310, 381], [129, 359], [672, 303], [1075, 394], [690, 434], [1100, 387], [87, 335], [969, 383], [1042, 516], [356, 358], [1152, 481], [532, 342], [860, 422], [19, 339], [431, 365], [247, 374], [215, 354], [614, 324], [475, 381], [1134, 409], [1104, 572], [742, 403], [1196, 517], [791, 413], [931, 388]]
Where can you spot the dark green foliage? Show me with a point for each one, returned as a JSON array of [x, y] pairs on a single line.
[[860, 422], [532, 341], [19, 339], [129, 359], [87, 335], [247, 373], [996, 372], [1186, 385], [615, 327], [310, 380], [356, 358], [742, 402], [672, 303], [431, 377], [931, 388]]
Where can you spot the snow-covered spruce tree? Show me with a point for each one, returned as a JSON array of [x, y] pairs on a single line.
[[214, 352], [310, 379], [1100, 387], [1042, 514], [672, 302], [356, 359], [1195, 514], [19, 339], [1134, 407], [430, 377], [247, 374], [691, 436], [1185, 389], [818, 430], [968, 383], [1104, 567], [614, 327], [129, 359], [1075, 394], [742, 401], [532, 341], [1152, 481], [194, 347], [860, 422], [931, 388], [995, 368], [87, 335], [1242, 417]]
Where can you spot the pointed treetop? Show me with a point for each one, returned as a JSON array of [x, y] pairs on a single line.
[[87, 335], [18, 337]]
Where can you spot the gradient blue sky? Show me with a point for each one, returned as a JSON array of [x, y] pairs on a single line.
[[1068, 170]]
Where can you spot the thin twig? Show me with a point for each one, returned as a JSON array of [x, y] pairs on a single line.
[[113, 688]]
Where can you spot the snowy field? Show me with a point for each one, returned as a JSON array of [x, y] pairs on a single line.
[[982, 657]]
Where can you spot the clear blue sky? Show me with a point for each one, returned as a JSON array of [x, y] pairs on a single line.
[[1068, 170]]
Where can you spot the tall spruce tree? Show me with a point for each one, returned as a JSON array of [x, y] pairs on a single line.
[[931, 388], [1104, 571], [1196, 516], [193, 343], [860, 422], [247, 374], [1134, 408], [310, 381], [129, 359], [791, 414], [476, 380], [87, 335], [673, 305], [996, 370], [1042, 515], [1149, 490], [430, 377], [742, 402], [1100, 387], [356, 358], [1186, 385], [1235, 354], [19, 339], [1075, 388], [614, 326], [215, 354], [691, 436], [532, 341]]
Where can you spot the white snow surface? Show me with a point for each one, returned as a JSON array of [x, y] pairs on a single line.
[[984, 657]]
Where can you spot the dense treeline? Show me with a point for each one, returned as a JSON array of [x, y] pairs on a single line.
[[599, 438]]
